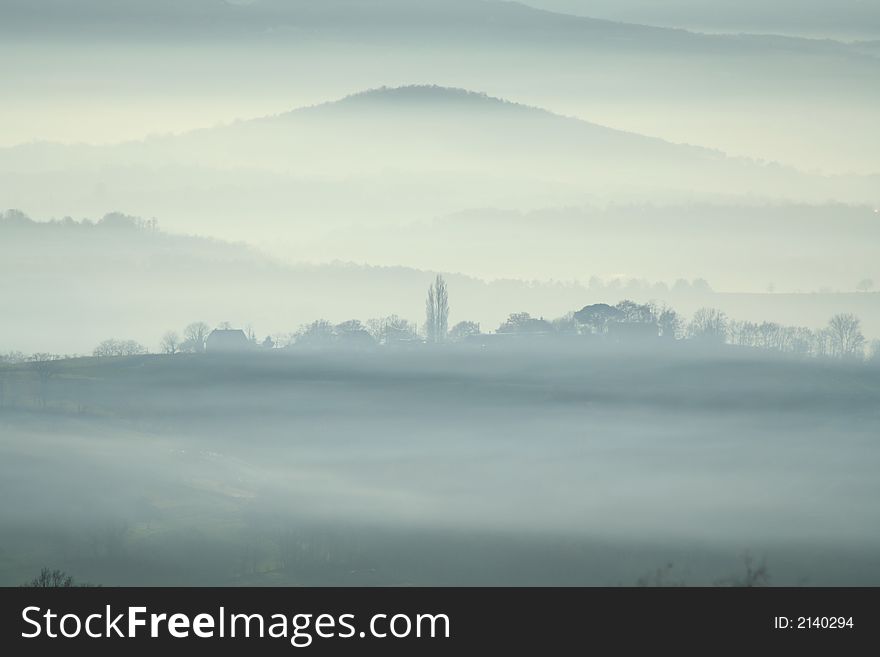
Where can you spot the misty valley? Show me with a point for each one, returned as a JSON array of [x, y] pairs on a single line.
[[439, 292], [586, 462]]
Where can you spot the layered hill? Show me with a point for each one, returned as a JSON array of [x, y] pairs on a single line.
[[67, 285], [368, 20], [388, 155]]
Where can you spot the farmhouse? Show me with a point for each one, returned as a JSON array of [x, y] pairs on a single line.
[[227, 341]]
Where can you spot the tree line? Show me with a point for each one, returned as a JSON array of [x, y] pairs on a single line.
[[625, 321], [841, 338]]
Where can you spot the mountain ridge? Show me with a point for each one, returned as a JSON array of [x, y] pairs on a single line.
[[432, 97], [390, 155], [165, 280], [270, 20]]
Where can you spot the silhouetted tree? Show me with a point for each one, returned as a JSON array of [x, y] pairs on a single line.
[[283, 340], [865, 285], [847, 340], [110, 348], [822, 343], [756, 574], [701, 285], [669, 322], [50, 579], [353, 334], [463, 330], [709, 324], [170, 343], [742, 333], [46, 368], [664, 577], [800, 340], [566, 324], [194, 337], [769, 335], [391, 330], [13, 357], [317, 334], [524, 323], [597, 316], [437, 311], [630, 311]]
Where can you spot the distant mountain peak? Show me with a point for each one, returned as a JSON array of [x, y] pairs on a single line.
[[423, 93], [420, 96]]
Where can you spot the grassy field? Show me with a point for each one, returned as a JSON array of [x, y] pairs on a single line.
[[474, 466]]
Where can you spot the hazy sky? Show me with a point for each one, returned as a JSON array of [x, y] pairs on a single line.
[[841, 19], [371, 186], [634, 162], [122, 70]]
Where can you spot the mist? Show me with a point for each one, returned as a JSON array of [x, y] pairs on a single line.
[[443, 468], [187, 65], [423, 292], [818, 19]]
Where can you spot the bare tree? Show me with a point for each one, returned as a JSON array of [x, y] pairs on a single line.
[[865, 285], [50, 579], [708, 324], [665, 577], [756, 574], [847, 340], [13, 357], [822, 343], [633, 312], [768, 335], [801, 341], [46, 368], [391, 329], [743, 334], [669, 323], [170, 343], [110, 348], [437, 311], [195, 335]]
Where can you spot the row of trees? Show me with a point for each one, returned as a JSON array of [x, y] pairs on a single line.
[[389, 330], [109, 348], [840, 338], [353, 332], [193, 341], [114, 221]]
